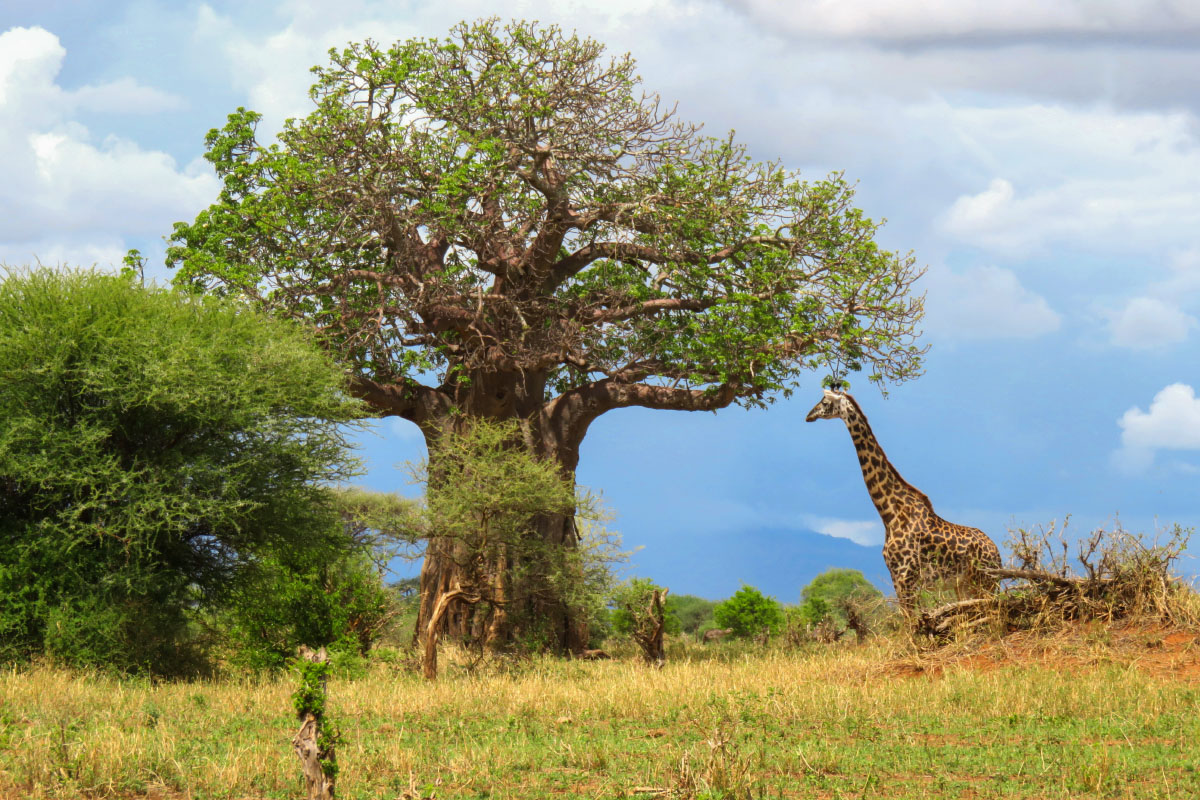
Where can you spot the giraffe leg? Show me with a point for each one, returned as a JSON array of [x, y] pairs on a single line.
[[907, 597], [906, 594]]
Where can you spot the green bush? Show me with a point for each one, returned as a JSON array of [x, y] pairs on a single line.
[[749, 612], [829, 593], [694, 613], [152, 448], [812, 611], [282, 603]]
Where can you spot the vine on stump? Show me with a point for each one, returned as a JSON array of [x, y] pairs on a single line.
[[318, 736]]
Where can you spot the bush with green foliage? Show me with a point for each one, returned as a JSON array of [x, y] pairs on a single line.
[[152, 447], [749, 612], [284, 601], [694, 613], [828, 594], [810, 612]]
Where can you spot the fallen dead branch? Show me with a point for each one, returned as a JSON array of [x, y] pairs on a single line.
[[1121, 577]]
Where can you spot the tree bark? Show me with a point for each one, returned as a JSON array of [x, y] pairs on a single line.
[[553, 430], [649, 627], [552, 434], [429, 665]]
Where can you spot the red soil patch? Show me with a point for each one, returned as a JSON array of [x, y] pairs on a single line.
[[1153, 649]]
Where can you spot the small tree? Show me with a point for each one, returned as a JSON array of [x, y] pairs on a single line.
[[635, 593], [640, 611], [487, 493], [749, 612], [152, 448], [811, 612], [835, 584]]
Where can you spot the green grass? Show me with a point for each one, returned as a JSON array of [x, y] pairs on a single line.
[[825, 723]]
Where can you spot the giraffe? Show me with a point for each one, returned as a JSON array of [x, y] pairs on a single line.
[[918, 545]]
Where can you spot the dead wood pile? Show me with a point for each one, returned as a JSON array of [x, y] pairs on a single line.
[[1119, 576]]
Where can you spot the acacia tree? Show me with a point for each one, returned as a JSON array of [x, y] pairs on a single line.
[[502, 225], [155, 451]]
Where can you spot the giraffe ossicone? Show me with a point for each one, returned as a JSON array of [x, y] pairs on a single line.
[[918, 545]]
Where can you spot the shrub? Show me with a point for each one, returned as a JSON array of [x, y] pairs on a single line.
[[152, 446], [749, 612], [694, 613]]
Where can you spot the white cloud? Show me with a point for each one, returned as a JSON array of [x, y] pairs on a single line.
[[273, 69], [1171, 423], [64, 195], [1147, 323], [102, 252], [1095, 180], [1026, 174], [985, 302], [124, 96], [868, 533], [900, 20], [980, 211], [1184, 277]]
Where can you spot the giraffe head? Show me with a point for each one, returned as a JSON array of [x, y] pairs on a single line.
[[833, 404]]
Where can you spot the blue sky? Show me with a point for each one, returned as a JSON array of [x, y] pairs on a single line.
[[1041, 159]]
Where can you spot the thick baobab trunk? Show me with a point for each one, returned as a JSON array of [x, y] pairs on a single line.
[[440, 572], [509, 613], [507, 610]]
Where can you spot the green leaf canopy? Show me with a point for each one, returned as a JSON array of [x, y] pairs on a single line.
[[507, 209], [150, 444]]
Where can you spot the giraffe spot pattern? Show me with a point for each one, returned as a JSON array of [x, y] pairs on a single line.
[[919, 546]]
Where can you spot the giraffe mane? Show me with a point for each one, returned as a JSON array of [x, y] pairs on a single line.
[[924, 498]]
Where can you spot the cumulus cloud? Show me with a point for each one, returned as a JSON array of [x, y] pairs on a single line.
[[985, 303], [1093, 179], [868, 533], [1171, 423], [66, 195], [1147, 323], [1010, 174]]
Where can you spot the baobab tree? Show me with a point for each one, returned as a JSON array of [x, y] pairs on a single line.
[[503, 225]]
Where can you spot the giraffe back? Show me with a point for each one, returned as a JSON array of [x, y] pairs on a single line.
[[922, 548]]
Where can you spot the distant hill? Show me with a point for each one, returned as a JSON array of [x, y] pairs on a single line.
[[715, 565], [779, 563]]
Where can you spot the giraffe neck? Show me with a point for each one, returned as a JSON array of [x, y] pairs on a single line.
[[888, 490]]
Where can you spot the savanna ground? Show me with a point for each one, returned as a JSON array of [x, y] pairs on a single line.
[[1093, 712]]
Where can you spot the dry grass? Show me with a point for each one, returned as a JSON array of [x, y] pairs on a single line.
[[1084, 717]]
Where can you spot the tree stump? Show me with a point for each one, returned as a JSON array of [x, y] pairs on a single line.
[[314, 744], [648, 628]]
